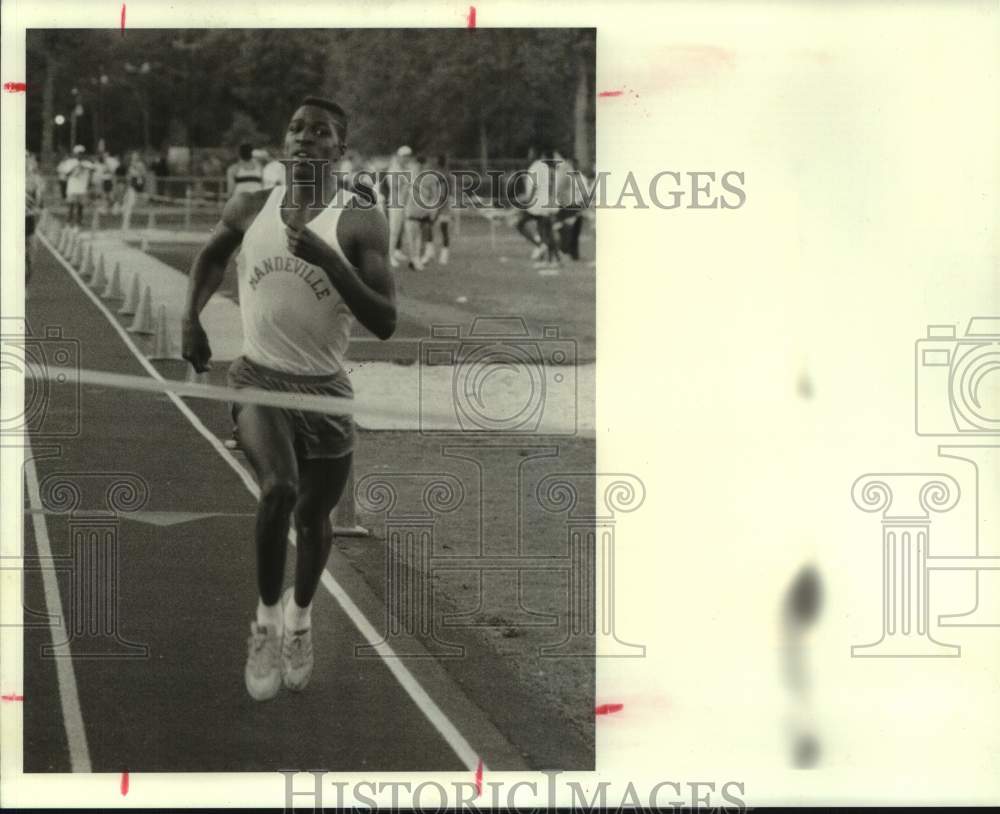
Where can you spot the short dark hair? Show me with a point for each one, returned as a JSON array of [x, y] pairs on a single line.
[[339, 114], [246, 152]]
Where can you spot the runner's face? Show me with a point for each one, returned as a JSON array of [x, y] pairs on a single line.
[[312, 137]]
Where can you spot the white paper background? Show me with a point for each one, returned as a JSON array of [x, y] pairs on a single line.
[[868, 136]]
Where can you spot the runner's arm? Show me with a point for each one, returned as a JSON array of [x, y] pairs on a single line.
[[209, 267]]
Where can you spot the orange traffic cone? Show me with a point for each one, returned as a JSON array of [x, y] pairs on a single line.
[[162, 347], [113, 290], [87, 266], [131, 304], [76, 251], [143, 322], [98, 279], [80, 255]]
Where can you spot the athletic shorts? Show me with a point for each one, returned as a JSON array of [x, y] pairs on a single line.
[[314, 435]]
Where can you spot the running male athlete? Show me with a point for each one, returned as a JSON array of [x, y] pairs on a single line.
[[306, 269]]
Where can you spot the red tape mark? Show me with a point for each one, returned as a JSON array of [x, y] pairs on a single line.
[[479, 778], [472, 17], [124, 783], [12, 697], [15, 87], [605, 93], [607, 709], [123, 19]]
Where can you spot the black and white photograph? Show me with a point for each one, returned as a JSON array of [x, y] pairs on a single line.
[[410, 241], [498, 406]]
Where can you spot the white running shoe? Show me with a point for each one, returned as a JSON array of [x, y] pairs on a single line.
[[428, 254], [539, 252], [296, 654], [263, 670], [443, 256], [399, 256]]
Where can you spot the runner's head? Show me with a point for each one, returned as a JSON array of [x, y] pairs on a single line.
[[316, 132], [246, 152]]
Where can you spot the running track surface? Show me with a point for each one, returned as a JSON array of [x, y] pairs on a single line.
[[186, 590]]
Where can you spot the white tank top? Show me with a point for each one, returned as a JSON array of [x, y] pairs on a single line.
[[294, 320]]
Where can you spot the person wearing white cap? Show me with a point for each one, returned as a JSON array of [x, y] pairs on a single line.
[[78, 172]]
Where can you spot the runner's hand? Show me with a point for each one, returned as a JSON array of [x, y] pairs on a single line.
[[195, 347], [306, 245]]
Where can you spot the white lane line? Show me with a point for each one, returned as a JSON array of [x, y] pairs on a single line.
[[69, 698], [432, 711], [445, 728]]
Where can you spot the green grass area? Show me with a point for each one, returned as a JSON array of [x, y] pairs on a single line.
[[486, 276]]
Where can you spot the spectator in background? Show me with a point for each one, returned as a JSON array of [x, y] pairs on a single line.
[[424, 194], [273, 174], [34, 201], [161, 170], [442, 221], [160, 167], [78, 176], [569, 220], [527, 224], [396, 195], [62, 172], [213, 170], [104, 178], [135, 187], [543, 180], [121, 184], [260, 155], [244, 175]]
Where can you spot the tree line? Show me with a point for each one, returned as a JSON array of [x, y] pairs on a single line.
[[480, 93]]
